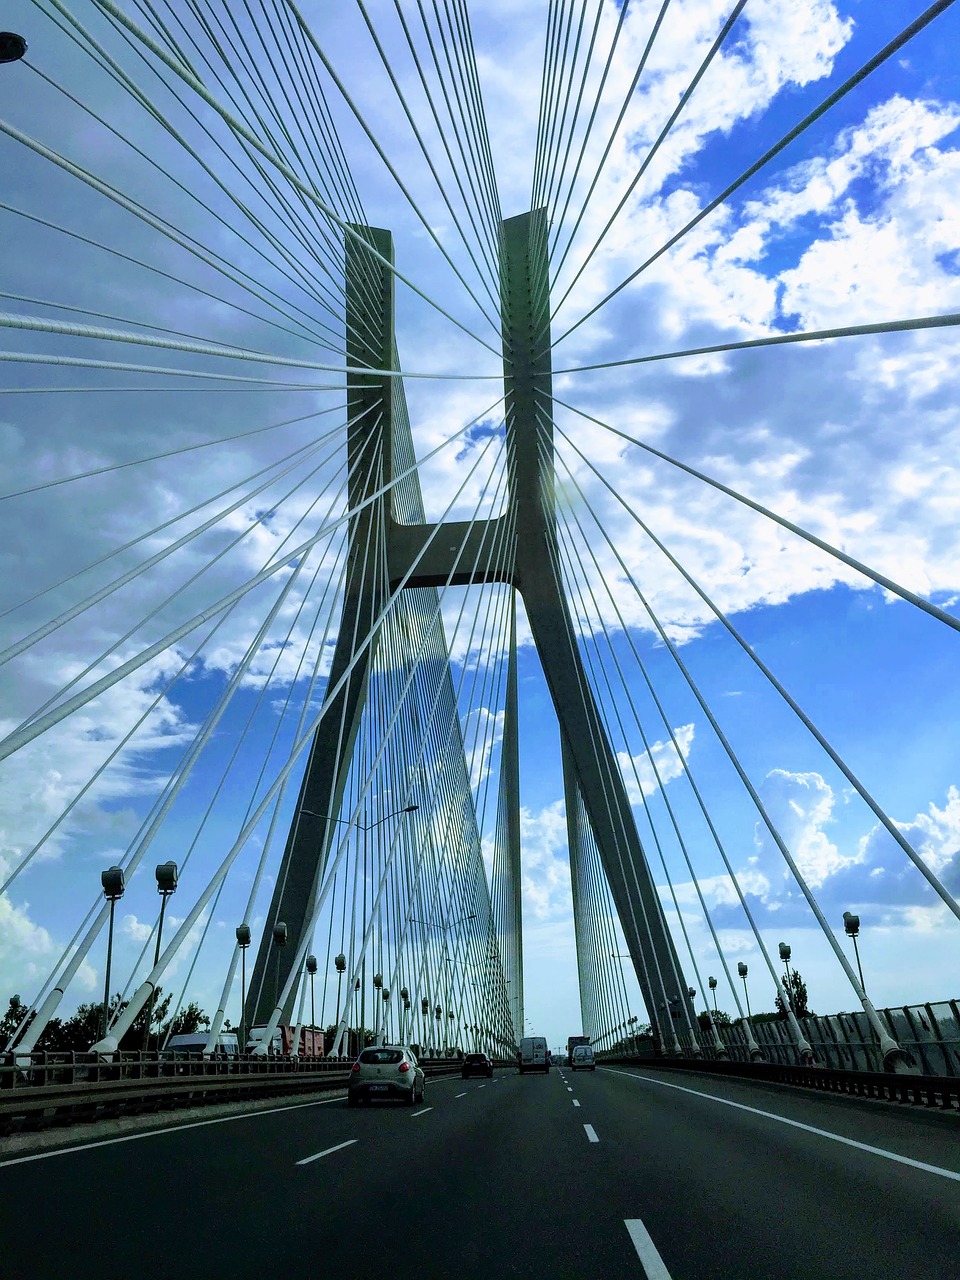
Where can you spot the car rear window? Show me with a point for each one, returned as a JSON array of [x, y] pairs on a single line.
[[475, 1057], [381, 1057]]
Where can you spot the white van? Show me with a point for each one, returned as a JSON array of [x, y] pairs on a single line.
[[583, 1059], [226, 1045], [533, 1054]]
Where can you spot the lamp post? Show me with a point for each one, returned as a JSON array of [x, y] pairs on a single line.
[[279, 940], [312, 969], [243, 941], [438, 924], [851, 925], [166, 874], [756, 1054], [404, 1009], [712, 983], [112, 882], [785, 954], [340, 964]]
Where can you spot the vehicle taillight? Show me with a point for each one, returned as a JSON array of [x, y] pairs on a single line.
[[355, 1067], [404, 1066]]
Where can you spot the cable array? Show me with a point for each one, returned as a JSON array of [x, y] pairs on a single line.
[[183, 632]]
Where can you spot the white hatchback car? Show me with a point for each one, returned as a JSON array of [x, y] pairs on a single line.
[[385, 1071], [583, 1059]]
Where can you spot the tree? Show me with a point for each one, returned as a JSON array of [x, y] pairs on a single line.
[[720, 1018], [796, 989], [16, 1011], [188, 1021]]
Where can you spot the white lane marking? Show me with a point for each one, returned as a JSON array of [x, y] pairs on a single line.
[[481, 1086], [575, 1102], [591, 1132], [459, 1095], [173, 1128], [329, 1151], [420, 1113], [796, 1124], [650, 1259], [569, 1088]]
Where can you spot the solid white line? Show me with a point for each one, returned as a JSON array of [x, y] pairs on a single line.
[[575, 1102], [420, 1113], [459, 1095], [650, 1259], [796, 1124], [591, 1132], [329, 1151], [173, 1128]]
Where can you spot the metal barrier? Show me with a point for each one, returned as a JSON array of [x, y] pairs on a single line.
[[46, 1089], [929, 1032]]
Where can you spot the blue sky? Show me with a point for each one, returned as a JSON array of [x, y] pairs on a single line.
[[856, 440]]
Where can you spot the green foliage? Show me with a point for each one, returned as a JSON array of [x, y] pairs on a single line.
[[720, 1018], [16, 1011], [188, 1021], [796, 989]]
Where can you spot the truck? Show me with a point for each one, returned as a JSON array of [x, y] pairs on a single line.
[[572, 1042], [310, 1044], [533, 1054]]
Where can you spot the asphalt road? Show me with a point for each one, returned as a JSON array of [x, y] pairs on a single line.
[[613, 1173]]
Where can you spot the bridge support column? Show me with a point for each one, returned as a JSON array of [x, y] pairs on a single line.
[[370, 342], [529, 411]]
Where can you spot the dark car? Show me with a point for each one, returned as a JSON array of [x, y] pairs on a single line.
[[476, 1064]]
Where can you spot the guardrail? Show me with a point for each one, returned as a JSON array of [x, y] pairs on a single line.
[[942, 1092], [43, 1090]]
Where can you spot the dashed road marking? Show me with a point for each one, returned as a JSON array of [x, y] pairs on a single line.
[[591, 1133], [575, 1102], [647, 1252], [569, 1088], [329, 1151], [459, 1095], [420, 1113]]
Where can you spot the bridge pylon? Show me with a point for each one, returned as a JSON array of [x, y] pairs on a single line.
[[386, 549]]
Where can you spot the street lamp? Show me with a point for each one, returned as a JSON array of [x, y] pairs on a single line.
[[712, 983], [785, 954], [340, 964], [756, 1053], [851, 924], [166, 874], [12, 46], [112, 882], [361, 826], [279, 940], [312, 969], [742, 970], [243, 941]]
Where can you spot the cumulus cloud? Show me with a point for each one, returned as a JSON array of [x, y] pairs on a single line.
[[648, 771], [545, 865]]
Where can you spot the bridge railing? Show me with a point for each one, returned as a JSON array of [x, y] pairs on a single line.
[[41, 1090], [930, 1032]]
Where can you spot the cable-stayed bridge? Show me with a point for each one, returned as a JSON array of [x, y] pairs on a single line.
[[338, 419]]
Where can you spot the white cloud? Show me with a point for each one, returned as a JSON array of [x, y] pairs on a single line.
[[647, 772]]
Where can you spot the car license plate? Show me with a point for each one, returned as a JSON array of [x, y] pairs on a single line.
[[379, 1088]]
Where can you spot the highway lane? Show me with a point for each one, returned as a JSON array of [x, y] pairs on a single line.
[[505, 1179]]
